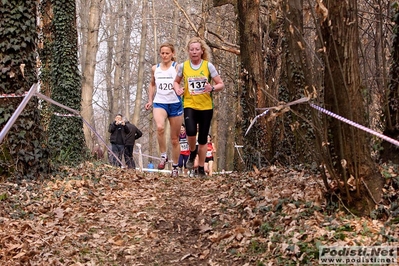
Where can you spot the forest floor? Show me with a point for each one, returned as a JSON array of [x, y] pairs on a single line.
[[99, 215]]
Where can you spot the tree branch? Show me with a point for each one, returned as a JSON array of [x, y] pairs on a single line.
[[224, 41], [187, 17], [229, 47], [224, 48]]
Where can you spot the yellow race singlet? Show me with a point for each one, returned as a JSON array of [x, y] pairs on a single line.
[[194, 84]]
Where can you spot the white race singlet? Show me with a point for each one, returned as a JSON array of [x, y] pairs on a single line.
[[164, 84]]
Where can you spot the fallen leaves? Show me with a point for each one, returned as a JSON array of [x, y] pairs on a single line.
[[99, 215]]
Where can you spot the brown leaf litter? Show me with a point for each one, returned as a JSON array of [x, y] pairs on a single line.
[[99, 215]]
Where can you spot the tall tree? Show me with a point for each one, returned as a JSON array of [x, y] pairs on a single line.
[[126, 57], [66, 137], [45, 48], [83, 8], [117, 59], [223, 40], [115, 13], [21, 151], [140, 70], [110, 33], [349, 147], [392, 108], [258, 148], [88, 68], [296, 80], [150, 117]]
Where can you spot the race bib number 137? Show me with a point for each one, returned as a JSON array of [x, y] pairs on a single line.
[[196, 85]]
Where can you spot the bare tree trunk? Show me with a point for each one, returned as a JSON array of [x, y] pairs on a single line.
[[229, 153], [83, 8], [343, 97], [202, 27], [214, 128], [175, 28], [215, 96], [117, 57], [150, 117], [126, 58], [88, 68], [155, 32], [110, 33], [140, 72], [257, 144]]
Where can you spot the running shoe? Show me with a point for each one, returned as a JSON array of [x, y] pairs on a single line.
[[191, 173], [175, 172], [162, 163], [201, 172]]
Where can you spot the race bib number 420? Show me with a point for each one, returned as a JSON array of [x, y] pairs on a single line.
[[196, 85]]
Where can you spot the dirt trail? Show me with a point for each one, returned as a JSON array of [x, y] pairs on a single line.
[[99, 215], [108, 216]]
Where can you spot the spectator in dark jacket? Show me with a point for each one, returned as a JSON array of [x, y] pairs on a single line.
[[118, 131], [134, 133]]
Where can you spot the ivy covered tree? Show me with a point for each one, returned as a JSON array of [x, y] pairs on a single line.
[[22, 153], [392, 109], [66, 138]]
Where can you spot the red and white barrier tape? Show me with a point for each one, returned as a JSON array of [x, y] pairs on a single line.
[[277, 108], [66, 115], [345, 120], [13, 95], [256, 118], [320, 109]]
